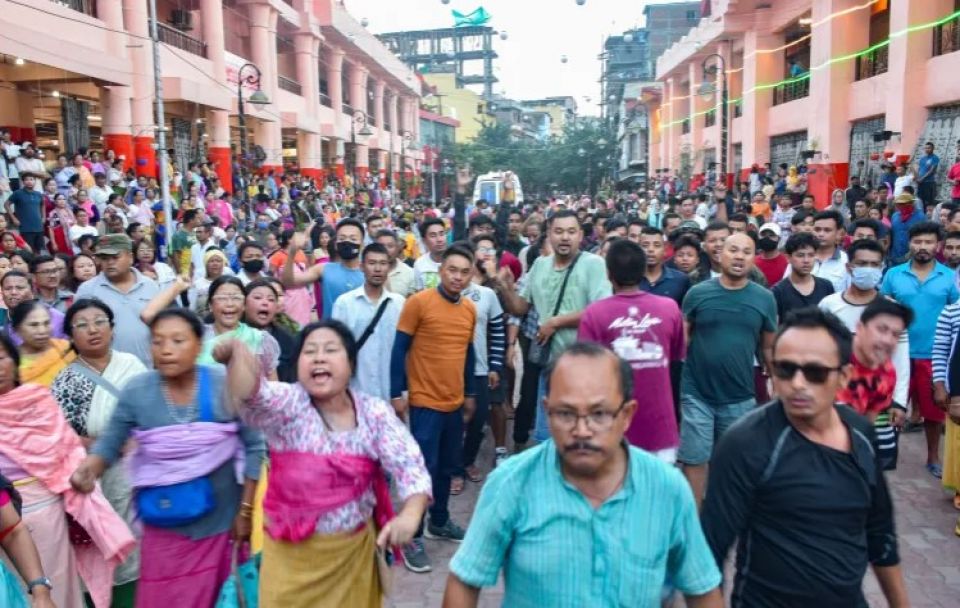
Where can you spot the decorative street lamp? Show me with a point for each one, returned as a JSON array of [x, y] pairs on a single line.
[[707, 91], [257, 98], [359, 118]]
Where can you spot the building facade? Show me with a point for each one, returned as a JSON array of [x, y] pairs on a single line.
[[841, 85], [91, 85]]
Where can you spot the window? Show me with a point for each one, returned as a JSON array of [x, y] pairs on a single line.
[[691, 15]]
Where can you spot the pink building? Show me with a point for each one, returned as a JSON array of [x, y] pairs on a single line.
[[836, 81], [73, 69]]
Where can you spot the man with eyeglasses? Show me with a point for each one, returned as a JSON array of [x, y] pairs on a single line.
[[608, 522], [46, 276], [127, 292], [800, 483]]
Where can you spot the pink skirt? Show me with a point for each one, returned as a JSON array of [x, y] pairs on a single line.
[[178, 571]]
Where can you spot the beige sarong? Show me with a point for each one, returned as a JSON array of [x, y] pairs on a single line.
[[332, 570]]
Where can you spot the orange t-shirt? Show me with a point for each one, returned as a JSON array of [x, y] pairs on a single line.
[[442, 331]]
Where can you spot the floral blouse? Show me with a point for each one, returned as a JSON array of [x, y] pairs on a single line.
[[290, 422]]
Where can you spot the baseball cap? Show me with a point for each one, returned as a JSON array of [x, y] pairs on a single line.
[[112, 244], [774, 228]]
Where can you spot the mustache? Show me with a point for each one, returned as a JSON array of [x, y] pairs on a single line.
[[581, 445]]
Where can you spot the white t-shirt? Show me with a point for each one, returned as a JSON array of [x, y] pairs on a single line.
[[78, 231], [904, 180], [488, 307], [426, 273], [197, 251]]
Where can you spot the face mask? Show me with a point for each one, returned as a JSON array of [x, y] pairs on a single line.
[[767, 244], [866, 278], [263, 225], [253, 266], [347, 250]]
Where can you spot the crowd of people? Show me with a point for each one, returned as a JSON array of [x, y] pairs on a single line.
[[308, 377]]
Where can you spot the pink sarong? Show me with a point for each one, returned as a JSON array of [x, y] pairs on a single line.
[[176, 570]]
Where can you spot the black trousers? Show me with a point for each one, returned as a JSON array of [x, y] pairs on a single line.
[[35, 240], [527, 407]]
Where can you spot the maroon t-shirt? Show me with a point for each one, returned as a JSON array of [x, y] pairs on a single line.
[[772, 269], [647, 331]]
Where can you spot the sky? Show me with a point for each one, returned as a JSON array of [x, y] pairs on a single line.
[[539, 34]]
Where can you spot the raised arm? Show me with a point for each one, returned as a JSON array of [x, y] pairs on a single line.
[[310, 276], [165, 298]]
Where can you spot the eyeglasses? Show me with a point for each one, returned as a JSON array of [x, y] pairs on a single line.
[[226, 299], [597, 420], [99, 323], [813, 373], [486, 250]]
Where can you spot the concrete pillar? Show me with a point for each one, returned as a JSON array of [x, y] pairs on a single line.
[[695, 105], [670, 133], [357, 78], [334, 62], [135, 21], [263, 52], [335, 154], [758, 68], [306, 48], [379, 88]]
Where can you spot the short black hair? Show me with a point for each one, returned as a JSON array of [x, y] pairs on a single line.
[[887, 306], [343, 332], [12, 274], [386, 233], [866, 223], [799, 216], [489, 236], [131, 227], [374, 248], [830, 214], [221, 281], [671, 216], [739, 217], [460, 248], [716, 226], [40, 259], [686, 240], [798, 241], [188, 215], [811, 317], [261, 282], [480, 220], [81, 305], [593, 350], [651, 230], [626, 263], [864, 245], [431, 221], [613, 224], [926, 227], [953, 234], [351, 222], [22, 310], [184, 314], [562, 214], [248, 245]]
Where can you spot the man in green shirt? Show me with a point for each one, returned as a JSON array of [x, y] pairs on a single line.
[[726, 320], [184, 239]]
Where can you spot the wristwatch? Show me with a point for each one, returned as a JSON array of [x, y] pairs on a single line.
[[43, 580]]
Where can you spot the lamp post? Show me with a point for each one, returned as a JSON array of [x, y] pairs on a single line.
[[257, 98], [707, 90], [359, 118], [406, 143], [161, 129]]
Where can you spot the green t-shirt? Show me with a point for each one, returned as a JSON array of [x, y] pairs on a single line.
[[182, 241], [726, 328], [588, 283]]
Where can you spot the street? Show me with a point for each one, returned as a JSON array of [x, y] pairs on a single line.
[[925, 520]]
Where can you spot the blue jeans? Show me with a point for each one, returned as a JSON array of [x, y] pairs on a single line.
[[541, 431], [471, 443], [440, 435], [703, 424]]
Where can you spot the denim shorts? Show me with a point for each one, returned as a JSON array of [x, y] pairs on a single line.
[[703, 424]]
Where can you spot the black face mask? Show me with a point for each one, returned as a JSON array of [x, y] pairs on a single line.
[[767, 244], [347, 250], [253, 266]]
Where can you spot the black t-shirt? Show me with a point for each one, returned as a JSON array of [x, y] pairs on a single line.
[[788, 298], [809, 518], [286, 366]]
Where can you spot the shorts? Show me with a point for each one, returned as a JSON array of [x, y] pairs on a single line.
[[497, 396], [921, 390], [703, 424]]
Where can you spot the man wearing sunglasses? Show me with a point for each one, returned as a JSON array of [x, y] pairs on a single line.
[[800, 483]]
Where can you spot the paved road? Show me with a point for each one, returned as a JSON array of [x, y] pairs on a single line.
[[925, 520]]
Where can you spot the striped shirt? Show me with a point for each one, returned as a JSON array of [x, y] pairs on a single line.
[[489, 334], [559, 551], [944, 343]]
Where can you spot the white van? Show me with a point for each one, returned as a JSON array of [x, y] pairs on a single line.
[[489, 187]]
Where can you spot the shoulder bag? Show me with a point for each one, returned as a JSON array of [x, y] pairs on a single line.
[[373, 323], [182, 503], [539, 354]]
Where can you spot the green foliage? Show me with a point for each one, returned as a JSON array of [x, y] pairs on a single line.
[[544, 167]]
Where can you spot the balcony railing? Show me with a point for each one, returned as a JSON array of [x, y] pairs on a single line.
[[685, 126], [710, 118], [175, 38], [325, 100], [289, 84], [790, 91], [87, 7], [946, 37], [872, 64]]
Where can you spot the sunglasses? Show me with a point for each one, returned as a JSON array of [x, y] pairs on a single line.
[[813, 373]]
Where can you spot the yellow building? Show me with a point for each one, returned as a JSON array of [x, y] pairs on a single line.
[[459, 103], [562, 111]]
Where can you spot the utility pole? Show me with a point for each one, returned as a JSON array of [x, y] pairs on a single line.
[[161, 130]]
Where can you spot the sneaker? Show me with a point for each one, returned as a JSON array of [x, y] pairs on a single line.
[[935, 469], [415, 557], [500, 454], [448, 531]]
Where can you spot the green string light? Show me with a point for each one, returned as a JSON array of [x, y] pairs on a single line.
[[825, 64]]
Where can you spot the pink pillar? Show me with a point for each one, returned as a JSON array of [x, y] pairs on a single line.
[[358, 99], [378, 92], [906, 71], [696, 104], [115, 100], [211, 12], [758, 68], [334, 62], [263, 51], [671, 156], [135, 21]]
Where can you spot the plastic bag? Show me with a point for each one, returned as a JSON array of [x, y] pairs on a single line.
[[247, 576]]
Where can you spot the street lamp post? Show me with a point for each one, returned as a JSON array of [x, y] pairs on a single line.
[[359, 118], [707, 89], [257, 98], [406, 143], [166, 202]]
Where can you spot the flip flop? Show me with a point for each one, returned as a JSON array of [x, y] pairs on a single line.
[[456, 486], [476, 476], [935, 469]]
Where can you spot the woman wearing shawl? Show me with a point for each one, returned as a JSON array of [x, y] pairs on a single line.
[[185, 467], [87, 392], [38, 452], [20, 548], [227, 304], [328, 505], [216, 265], [59, 221], [41, 355]]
